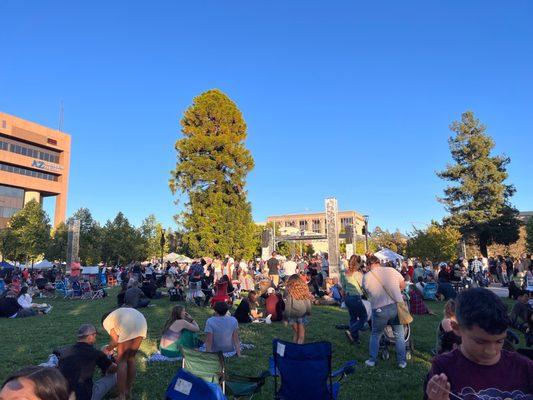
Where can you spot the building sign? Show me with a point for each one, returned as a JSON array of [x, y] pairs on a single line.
[[46, 166], [333, 236]]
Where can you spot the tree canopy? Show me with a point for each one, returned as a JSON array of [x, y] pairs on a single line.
[[212, 164], [436, 243], [478, 199]]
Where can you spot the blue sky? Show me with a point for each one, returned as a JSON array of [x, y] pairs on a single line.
[[342, 98]]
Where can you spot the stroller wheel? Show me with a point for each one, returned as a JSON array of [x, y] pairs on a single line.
[[408, 355], [385, 355]]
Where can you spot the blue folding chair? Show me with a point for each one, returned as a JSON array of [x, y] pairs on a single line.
[[320, 383], [186, 386]]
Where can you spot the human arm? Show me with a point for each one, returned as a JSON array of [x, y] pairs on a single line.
[[208, 342], [438, 388], [113, 342], [181, 324]]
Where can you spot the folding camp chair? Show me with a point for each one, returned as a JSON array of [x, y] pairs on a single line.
[[290, 359], [212, 368], [186, 386], [221, 293]]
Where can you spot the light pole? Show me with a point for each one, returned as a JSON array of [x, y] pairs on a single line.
[[162, 243], [366, 233]]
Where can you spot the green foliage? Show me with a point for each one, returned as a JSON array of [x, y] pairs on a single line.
[[396, 241], [9, 244], [529, 235], [478, 200], [122, 243], [90, 237], [57, 250], [309, 249], [436, 243], [31, 228], [151, 231], [211, 170]]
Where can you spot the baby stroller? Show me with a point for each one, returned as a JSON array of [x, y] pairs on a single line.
[[195, 294]]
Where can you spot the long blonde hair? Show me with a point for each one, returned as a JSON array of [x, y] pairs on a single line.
[[354, 264]]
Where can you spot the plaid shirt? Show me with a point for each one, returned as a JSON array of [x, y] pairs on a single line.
[[476, 266]]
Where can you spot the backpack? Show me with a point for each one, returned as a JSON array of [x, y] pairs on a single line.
[[175, 294]]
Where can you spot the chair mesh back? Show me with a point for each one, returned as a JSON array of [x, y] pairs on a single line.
[[208, 366]]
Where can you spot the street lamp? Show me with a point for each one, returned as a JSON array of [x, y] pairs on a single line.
[[366, 233], [162, 243]]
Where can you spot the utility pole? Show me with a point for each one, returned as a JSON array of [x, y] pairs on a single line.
[[366, 233]]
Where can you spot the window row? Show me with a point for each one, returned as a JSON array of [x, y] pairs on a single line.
[[29, 151], [7, 212], [28, 172]]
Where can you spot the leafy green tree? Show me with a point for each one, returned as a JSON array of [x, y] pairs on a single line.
[[309, 250], [57, 249], [122, 243], [529, 235], [9, 244], [31, 228], [395, 241], [436, 243], [478, 200], [90, 237], [211, 169], [151, 231]]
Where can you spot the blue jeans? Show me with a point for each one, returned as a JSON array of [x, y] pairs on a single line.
[[381, 317], [357, 312]]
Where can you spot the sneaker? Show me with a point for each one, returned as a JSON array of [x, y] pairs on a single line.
[[402, 365], [370, 363], [47, 310], [349, 336]]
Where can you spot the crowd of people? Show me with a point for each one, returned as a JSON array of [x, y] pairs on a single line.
[[376, 293]]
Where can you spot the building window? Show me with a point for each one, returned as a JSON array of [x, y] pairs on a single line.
[[28, 150], [28, 172], [346, 222], [316, 225], [303, 225]]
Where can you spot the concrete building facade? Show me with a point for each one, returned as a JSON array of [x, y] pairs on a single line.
[[34, 163], [316, 222]]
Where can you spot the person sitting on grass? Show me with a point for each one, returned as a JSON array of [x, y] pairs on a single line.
[[416, 303], [222, 331], [25, 301], [135, 297], [35, 383], [274, 305], [448, 339], [10, 308], [479, 367], [179, 330], [247, 309], [78, 362], [519, 312]]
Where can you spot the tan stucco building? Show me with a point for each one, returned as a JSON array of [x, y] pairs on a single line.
[[316, 222], [34, 163]]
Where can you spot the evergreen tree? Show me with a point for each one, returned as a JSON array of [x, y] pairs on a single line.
[[151, 231], [211, 170], [9, 244], [90, 237], [31, 228], [478, 200], [122, 243]]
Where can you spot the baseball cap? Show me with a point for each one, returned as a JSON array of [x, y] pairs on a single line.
[[271, 290], [86, 330]]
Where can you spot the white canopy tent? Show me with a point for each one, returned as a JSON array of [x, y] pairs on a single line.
[[43, 264], [388, 255], [173, 257], [92, 270]]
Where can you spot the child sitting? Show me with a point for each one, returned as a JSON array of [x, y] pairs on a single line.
[[176, 292], [519, 312], [479, 367], [448, 339]]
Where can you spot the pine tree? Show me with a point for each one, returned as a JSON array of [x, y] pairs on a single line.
[[90, 237], [478, 200], [211, 171]]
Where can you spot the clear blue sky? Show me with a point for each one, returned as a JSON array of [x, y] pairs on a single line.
[[341, 98]]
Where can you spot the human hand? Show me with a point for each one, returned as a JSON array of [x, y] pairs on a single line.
[[438, 388]]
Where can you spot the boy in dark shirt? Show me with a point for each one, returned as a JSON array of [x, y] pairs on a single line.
[[480, 368]]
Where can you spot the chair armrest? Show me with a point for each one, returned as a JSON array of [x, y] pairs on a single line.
[[347, 368]]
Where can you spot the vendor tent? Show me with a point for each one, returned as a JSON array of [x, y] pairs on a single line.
[[173, 257], [388, 255], [4, 264], [43, 264]]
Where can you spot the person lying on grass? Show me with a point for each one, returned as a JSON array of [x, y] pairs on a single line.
[[479, 367]]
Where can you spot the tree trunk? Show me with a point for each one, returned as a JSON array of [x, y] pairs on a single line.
[[483, 248]]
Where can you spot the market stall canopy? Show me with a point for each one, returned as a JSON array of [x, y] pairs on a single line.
[[92, 270], [6, 265], [388, 255], [173, 257], [43, 264]]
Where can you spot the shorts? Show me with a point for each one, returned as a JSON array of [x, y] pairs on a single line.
[[299, 320]]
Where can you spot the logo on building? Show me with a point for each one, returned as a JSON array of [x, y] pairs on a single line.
[[46, 166]]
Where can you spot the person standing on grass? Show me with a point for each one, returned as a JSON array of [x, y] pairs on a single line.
[[273, 269], [384, 287], [297, 306], [78, 362], [127, 328], [352, 288]]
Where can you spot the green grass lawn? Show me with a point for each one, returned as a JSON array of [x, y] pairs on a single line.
[[30, 340]]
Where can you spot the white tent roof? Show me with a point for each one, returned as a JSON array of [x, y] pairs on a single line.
[[173, 257], [388, 255], [43, 264], [90, 270]]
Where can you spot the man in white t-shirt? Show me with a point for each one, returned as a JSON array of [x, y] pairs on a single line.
[[289, 267]]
